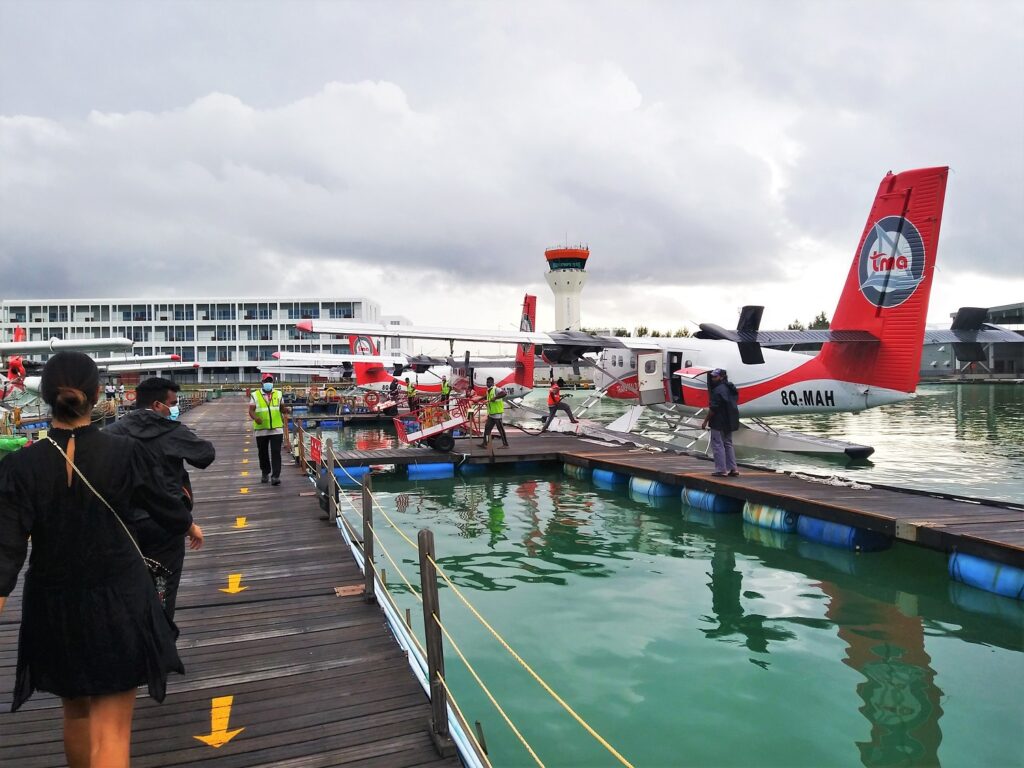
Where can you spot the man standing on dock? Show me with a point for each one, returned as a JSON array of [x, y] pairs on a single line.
[[724, 419], [267, 414], [446, 391], [495, 413], [410, 395], [154, 422]]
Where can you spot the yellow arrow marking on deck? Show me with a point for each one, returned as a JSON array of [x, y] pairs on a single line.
[[240, 522], [245, 473], [245, 450], [234, 582], [220, 715], [245, 461], [243, 490]]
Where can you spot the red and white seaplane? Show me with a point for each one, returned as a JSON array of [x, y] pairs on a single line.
[[18, 380], [870, 356], [373, 371]]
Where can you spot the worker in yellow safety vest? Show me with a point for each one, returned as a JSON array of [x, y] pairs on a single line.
[[495, 411], [446, 391], [410, 395], [267, 415]]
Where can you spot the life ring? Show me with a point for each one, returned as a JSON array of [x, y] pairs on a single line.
[[130, 396], [330, 393], [371, 399]]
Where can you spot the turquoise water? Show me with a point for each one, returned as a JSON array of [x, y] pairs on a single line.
[[685, 638]]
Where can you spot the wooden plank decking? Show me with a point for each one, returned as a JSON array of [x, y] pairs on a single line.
[[316, 679]]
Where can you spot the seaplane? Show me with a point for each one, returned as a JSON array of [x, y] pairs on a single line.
[[372, 371], [870, 356], [19, 379]]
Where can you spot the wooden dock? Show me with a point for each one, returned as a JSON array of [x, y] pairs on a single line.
[[991, 530], [312, 678]]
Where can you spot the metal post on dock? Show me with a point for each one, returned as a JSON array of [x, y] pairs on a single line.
[[327, 455], [435, 649], [368, 594]]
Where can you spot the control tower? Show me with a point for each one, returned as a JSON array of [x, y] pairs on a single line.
[[566, 275]]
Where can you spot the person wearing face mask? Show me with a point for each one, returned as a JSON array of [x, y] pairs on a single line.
[[267, 415], [154, 422]]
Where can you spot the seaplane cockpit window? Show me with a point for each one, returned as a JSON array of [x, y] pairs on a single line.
[[632, 361], [650, 366]]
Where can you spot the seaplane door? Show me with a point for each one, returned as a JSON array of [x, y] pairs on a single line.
[[675, 386], [649, 378]]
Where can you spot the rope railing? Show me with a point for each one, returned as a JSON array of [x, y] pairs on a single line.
[[342, 515]]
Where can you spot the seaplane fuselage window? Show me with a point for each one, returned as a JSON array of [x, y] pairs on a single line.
[[650, 366], [688, 364], [632, 361]]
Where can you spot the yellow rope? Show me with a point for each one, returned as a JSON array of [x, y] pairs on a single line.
[[423, 650], [486, 690], [551, 692], [530, 670]]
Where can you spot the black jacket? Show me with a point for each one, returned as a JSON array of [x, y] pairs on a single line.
[[171, 440], [725, 411]]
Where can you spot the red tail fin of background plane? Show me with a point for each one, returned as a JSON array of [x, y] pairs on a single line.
[[367, 373], [524, 352], [889, 283], [19, 333]]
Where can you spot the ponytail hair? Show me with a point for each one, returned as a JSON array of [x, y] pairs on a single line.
[[70, 385]]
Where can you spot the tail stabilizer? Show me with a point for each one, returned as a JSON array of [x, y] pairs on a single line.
[[367, 373], [889, 283], [524, 352]]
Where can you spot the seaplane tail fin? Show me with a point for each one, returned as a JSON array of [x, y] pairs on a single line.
[[366, 373], [524, 352], [889, 283]]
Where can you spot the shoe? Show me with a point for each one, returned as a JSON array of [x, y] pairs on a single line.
[[265, 479], [276, 481], [575, 421], [719, 474], [503, 446], [482, 445], [734, 473]]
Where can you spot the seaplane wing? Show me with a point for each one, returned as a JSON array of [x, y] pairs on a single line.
[[351, 328], [298, 370], [155, 366], [144, 361], [555, 348], [57, 345], [331, 359]]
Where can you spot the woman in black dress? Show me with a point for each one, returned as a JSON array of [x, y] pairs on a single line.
[[92, 629]]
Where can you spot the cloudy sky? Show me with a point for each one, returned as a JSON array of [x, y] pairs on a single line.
[[424, 154]]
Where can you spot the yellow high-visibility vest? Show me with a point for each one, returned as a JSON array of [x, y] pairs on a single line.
[[268, 414], [495, 405]]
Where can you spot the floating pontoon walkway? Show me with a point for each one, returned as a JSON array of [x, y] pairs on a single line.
[[282, 670], [987, 529]]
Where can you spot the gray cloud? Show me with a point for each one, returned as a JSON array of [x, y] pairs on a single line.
[[176, 147]]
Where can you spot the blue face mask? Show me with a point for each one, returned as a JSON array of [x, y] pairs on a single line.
[[268, 386]]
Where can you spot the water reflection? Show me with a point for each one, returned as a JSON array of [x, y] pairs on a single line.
[[801, 612], [726, 585]]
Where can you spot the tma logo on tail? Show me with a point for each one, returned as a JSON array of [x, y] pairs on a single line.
[[891, 262]]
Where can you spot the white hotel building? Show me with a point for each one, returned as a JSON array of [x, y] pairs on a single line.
[[227, 336]]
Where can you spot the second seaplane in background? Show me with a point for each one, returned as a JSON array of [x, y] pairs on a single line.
[[373, 371], [22, 375], [870, 356]]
